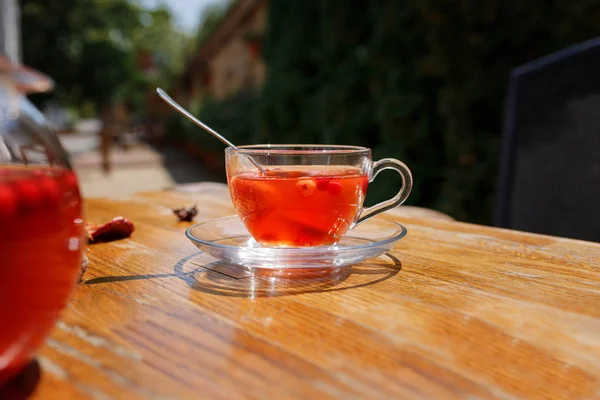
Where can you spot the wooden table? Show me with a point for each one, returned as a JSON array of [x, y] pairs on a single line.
[[455, 311]]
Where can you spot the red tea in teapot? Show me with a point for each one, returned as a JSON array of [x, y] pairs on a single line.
[[40, 249]]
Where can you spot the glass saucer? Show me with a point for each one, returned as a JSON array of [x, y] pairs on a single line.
[[228, 240]]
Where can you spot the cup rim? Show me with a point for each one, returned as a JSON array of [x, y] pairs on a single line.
[[304, 149]]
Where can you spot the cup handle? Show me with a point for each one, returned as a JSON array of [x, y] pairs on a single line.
[[407, 183]]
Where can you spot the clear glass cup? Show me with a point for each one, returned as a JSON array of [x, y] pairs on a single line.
[[41, 228], [306, 195]]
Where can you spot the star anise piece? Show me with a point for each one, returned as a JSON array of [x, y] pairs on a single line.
[[186, 214]]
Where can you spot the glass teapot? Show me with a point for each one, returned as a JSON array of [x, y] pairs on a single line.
[[41, 228]]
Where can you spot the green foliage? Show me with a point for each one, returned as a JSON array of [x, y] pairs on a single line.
[[234, 117], [159, 35], [81, 44], [180, 129], [89, 47], [422, 81]]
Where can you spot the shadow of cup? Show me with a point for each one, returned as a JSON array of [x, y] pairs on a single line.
[[224, 280], [201, 273]]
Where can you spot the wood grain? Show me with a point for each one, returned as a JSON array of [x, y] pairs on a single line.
[[455, 311]]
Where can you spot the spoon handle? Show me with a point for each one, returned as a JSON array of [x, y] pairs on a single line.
[[163, 95]]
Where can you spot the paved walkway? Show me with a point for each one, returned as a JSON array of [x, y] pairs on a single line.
[[141, 168]]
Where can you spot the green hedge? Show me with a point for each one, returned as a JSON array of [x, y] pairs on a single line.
[[421, 81]]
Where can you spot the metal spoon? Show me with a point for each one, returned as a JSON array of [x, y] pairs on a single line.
[[163, 95]]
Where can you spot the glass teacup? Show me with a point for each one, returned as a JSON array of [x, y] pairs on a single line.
[[307, 195]]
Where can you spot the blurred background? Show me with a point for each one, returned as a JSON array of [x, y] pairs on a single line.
[[422, 81]]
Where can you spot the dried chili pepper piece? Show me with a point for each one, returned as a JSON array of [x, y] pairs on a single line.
[[117, 228], [186, 214]]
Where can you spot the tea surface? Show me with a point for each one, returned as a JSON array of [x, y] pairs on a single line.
[[291, 206]]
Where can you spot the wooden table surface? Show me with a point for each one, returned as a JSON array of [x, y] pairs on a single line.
[[454, 311]]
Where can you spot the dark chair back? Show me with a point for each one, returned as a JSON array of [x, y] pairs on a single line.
[[550, 168]]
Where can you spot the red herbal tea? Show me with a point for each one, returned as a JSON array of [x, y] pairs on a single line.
[[290, 206], [40, 240]]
